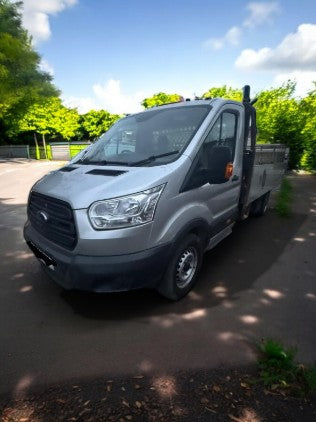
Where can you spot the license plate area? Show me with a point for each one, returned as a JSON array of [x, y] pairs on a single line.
[[45, 259]]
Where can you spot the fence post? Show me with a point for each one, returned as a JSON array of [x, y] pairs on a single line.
[[48, 152], [28, 151]]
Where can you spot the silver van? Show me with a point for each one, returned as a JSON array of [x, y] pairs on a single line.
[[140, 206]]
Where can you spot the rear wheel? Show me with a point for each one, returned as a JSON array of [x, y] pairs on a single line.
[[260, 205], [183, 268]]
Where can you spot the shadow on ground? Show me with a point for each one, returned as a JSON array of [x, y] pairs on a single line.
[[233, 266], [14, 160], [50, 336], [219, 396]]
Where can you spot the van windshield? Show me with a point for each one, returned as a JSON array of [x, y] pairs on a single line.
[[150, 138]]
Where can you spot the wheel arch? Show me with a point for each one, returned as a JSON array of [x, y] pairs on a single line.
[[198, 226]]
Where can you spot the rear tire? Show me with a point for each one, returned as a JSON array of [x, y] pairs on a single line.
[[260, 205], [183, 268]]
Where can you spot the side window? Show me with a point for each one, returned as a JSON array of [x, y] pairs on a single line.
[[223, 132], [229, 131], [215, 132]]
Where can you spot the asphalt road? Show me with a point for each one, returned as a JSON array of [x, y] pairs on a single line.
[[259, 282]]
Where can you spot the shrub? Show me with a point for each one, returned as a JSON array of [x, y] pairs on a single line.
[[284, 199], [279, 370]]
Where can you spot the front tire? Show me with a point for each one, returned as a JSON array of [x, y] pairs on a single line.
[[183, 268]]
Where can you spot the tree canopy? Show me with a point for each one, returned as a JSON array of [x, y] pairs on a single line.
[[160, 99], [96, 122], [224, 92], [51, 118], [307, 112], [22, 81]]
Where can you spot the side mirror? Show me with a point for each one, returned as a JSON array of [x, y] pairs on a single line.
[[219, 161], [219, 169], [200, 178]]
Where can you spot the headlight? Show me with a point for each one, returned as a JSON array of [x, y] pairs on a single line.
[[126, 211]]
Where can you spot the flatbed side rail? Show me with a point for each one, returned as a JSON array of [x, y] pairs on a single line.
[[271, 154]]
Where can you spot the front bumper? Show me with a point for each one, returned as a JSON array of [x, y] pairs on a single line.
[[99, 273]]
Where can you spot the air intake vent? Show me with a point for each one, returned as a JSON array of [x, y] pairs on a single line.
[[67, 169], [106, 172]]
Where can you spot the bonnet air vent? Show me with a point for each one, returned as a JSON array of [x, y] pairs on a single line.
[[104, 172], [68, 169]]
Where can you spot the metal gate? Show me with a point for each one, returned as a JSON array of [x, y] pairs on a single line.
[[60, 152], [15, 151]]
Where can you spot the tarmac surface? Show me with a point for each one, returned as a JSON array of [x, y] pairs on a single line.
[[260, 282]]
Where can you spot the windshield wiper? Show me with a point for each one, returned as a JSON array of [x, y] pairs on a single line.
[[82, 158], [102, 162], [153, 158]]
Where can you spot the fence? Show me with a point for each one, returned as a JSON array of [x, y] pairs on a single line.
[[15, 151], [55, 151]]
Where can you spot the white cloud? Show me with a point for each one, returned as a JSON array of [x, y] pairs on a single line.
[[114, 100], [46, 67], [110, 97], [232, 37], [214, 43], [260, 13], [83, 104], [36, 16], [297, 51], [304, 81]]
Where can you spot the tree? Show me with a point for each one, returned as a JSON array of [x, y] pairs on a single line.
[[160, 99], [307, 111], [22, 81], [96, 122], [279, 120], [51, 118], [224, 92]]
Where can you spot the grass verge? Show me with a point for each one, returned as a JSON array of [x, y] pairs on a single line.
[[284, 199], [278, 370]]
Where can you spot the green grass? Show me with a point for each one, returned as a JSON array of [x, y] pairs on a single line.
[[284, 199], [278, 369]]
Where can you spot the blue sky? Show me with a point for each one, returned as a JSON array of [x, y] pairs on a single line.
[[112, 53]]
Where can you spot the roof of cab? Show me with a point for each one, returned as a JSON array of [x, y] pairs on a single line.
[[210, 101]]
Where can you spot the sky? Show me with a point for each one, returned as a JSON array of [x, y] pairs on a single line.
[[111, 54]]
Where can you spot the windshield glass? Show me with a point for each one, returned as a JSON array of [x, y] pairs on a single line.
[[150, 138]]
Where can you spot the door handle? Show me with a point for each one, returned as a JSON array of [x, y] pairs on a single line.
[[235, 178]]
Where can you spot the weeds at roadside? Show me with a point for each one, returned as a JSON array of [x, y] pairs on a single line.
[[278, 370], [284, 199]]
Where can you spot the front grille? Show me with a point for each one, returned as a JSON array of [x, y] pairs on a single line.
[[53, 219]]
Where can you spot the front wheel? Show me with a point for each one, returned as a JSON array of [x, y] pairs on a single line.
[[183, 268]]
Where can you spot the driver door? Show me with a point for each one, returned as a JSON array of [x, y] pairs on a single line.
[[222, 199]]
